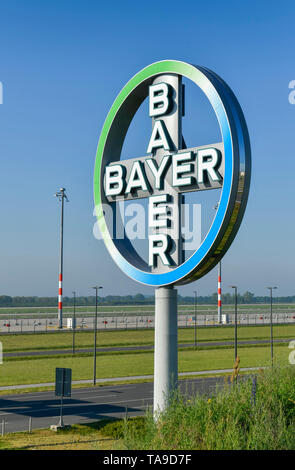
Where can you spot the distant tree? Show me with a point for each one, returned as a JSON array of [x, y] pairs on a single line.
[[5, 301], [248, 297], [214, 297], [139, 298]]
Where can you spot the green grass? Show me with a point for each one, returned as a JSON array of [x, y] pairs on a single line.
[[85, 309], [122, 310], [229, 420], [26, 371], [237, 417], [90, 436], [63, 340]]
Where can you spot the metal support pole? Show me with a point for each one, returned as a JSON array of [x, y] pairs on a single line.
[[195, 342], [219, 307], [74, 322], [61, 196], [236, 325], [219, 293], [236, 320], [61, 422], [271, 330], [95, 334], [30, 424], [271, 324], [60, 294], [165, 359], [3, 427]]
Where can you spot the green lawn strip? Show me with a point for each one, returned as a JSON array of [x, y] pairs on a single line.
[[132, 364], [126, 308], [44, 341], [83, 309], [76, 437], [127, 352], [63, 340]]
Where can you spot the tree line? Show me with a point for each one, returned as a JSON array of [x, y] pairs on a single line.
[[138, 299]]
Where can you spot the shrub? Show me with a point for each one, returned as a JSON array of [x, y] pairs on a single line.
[[230, 420], [119, 429]]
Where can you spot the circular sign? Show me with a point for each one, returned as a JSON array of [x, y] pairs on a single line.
[[236, 164]]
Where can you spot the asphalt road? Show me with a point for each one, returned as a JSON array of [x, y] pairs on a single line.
[[88, 404]]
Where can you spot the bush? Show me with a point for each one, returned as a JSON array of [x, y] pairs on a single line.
[[119, 429], [237, 417]]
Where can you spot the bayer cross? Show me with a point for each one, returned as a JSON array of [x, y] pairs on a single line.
[[166, 173], [167, 170]]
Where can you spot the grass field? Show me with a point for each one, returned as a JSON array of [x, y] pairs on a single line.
[[34, 369], [122, 310], [63, 340], [42, 370], [77, 437]]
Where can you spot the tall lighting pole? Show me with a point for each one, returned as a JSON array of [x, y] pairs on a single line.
[[61, 196], [271, 329], [219, 293], [74, 321], [195, 292], [219, 311], [95, 330], [236, 321]]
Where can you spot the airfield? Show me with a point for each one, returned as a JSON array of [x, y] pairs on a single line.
[[44, 319], [33, 347]]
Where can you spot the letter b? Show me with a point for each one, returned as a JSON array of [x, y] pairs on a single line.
[[160, 99]]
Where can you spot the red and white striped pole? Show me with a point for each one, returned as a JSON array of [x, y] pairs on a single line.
[[219, 319], [60, 301], [61, 196], [219, 292]]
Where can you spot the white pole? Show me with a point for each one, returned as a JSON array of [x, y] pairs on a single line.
[[60, 279], [219, 294], [165, 361]]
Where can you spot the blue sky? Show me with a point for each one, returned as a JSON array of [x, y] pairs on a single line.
[[62, 63]]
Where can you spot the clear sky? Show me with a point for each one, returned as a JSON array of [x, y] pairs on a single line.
[[62, 63]]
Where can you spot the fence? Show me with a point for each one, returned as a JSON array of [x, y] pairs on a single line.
[[17, 325]]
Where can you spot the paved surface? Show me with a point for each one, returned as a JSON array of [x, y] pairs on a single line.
[[127, 378], [88, 404], [139, 348]]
